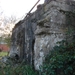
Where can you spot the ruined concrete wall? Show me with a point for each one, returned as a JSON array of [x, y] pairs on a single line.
[[37, 34]]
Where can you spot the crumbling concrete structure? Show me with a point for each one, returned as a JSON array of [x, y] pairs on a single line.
[[37, 34]]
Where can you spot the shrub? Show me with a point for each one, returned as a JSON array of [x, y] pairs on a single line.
[[61, 60]]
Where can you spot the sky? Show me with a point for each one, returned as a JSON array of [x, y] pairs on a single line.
[[17, 8]]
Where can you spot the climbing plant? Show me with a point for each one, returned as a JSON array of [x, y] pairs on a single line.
[[61, 60]]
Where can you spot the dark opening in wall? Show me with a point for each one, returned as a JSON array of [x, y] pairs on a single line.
[[16, 56], [33, 42]]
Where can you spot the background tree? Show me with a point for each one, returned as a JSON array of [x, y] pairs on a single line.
[[7, 40]]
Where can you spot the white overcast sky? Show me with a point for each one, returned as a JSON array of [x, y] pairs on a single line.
[[17, 8]]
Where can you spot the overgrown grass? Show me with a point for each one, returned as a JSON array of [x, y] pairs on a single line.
[[19, 69]]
